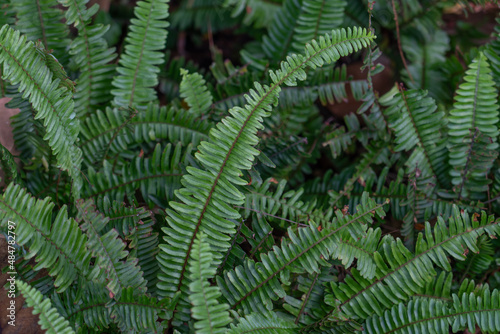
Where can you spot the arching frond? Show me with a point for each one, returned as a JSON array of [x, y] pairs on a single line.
[[22, 65], [194, 91]]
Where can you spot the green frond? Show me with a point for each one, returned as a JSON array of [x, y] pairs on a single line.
[[210, 315], [7, 165], [417, 123], [263, 323], [109, 251], [91, 57], [57, 242], [50, 320], [253, 286], [205, 204], [474, 114], [156, 177], [204, 15], [420, 315], [260, 12], [317, 17], [194, 91], [401, 274], [138, 66], [22, 65], [492, 52], [114, 131], [42, 21]]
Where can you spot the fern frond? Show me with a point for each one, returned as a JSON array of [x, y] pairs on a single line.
[[42, 21], [50, 320], [205, 202], [57, 242], [417, 122], [492, 51], [91, 56], [401, 274], [263, 323], [473, 113], [113, 131], [22, 64], [156, 177], [109, 251], [7, 165], [194, 91], [253, 286], [138, 70], [210, 315], [260, 13]]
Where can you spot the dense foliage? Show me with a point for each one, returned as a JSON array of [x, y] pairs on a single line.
[[160, 183]]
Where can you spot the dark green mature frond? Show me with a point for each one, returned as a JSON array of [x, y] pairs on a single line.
[[57, 242], [417, 123], [253, 286], [194, 91], [401, 274], [50, 319], [138, 66], [492, 51], [258, 13], [109, 250], [156, 177], [114, 131], [467, 312], [474, 113], [206, 15], [42, 21], [7, 165], [263, 323], [22, 65], [205, 202], [211, 316], [91, 56]]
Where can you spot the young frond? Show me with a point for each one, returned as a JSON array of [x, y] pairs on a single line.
[[194, 91], [54, 105]]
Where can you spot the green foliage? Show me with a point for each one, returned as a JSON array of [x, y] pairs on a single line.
[[271, 177]]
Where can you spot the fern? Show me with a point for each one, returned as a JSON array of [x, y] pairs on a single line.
[[195, 93]]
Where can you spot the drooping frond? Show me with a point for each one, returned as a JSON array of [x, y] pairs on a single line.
[[474, 115], [205, 202], [417, 123], [58, 243], [91, 56], [50, 319], [22, 65], [253, 286], [194, 91], [155, 177], [138, 66], [263, 323], [211, 316], [109, 251]]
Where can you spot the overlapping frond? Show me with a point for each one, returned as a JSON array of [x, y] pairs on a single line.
[[156, 177], [91, 57], [22, 65], [138, 66], [58, 243], [194, 91], [50, 319], [205, 202], [263, 323], [109, 250], [210, 315], [417, 123]]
